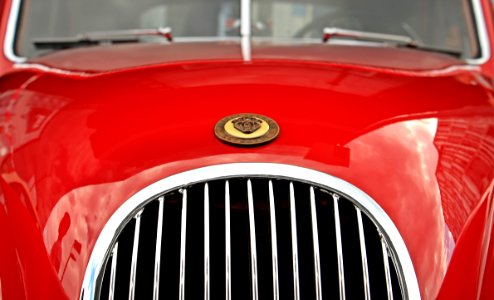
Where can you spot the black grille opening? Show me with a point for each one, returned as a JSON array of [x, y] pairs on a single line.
[[288, 219], [305, 241], [375, 261], [240, 246], [327, 242], [351, 251], [124, 257], [285, 266], [263, 238], [217, 239], [194, 266], [145, 262], [170, 246]]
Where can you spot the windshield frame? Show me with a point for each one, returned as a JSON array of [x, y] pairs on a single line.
[[477, 11]]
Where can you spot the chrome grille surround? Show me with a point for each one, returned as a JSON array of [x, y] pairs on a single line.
[[392, 242]]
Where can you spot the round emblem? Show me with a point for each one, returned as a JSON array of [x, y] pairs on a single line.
[[246, 129]]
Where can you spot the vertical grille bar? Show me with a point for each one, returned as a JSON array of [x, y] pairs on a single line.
[[206, 241], [387, 272], [315, 241], [274, 243], [337, 225], [113, 272], [293, 222], [363, 253], [133, 268], [157, 257], [228, 258], [182, 245], [253, 247]]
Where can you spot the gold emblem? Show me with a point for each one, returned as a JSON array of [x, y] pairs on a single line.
[[246, 129]]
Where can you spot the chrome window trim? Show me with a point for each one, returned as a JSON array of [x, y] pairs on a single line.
[[245, 17], [8, 46], [482, 34], [246, 12], [130, 207]]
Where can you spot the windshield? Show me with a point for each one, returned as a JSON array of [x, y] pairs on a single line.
[[68, 18], [439, 23], [444, 24]]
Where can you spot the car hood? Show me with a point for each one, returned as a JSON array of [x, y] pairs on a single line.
[[87, 139], [111, 58]]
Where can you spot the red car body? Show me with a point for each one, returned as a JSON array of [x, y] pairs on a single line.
[[83, 130]]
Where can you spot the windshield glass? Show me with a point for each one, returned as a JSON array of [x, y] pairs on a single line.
[[439, 23], [445, 24], [68, 18]]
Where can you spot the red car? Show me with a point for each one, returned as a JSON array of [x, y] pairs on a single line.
[[248, 149]]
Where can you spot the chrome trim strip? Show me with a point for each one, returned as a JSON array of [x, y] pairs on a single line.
[[228, 251], [339, 248], [182, 245], [245, 18], [110, 231], [8, 45], [386, 267], [482, 34], [274, 242], [363, 253], [315, 244], [135, 249], [113, 272], [293, 224], [245, 47], [206, 241], [253, 246], [157, 254]]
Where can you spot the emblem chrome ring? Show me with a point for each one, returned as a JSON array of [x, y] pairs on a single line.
[[246, 129]]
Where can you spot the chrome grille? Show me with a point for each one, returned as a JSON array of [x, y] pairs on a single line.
[[252, 237]]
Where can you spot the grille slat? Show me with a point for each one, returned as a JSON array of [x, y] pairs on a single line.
[[274, 242], [181, 291], [337, 224], [267, 224], [293, 223], [113, 272], [206, 242], [363, 254], [135, 249], [315, 241], [253, 246], [157, 257], [228, 257], [387, 271]]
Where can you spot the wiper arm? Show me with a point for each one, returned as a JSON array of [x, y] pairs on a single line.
[[400, 40], [330, 32], [101, 37]]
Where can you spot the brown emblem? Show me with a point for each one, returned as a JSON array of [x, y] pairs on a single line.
[[247, 124], [246, 129]]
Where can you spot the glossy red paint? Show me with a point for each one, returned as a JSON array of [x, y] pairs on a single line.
[[81, 143], [79, 136], [121, 57], [468, 274]]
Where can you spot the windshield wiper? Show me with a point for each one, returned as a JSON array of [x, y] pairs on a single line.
[[400, 40], [101, 37]]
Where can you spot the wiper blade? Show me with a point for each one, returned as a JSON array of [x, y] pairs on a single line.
[[101, 37], [330, 32], [400, 40]]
